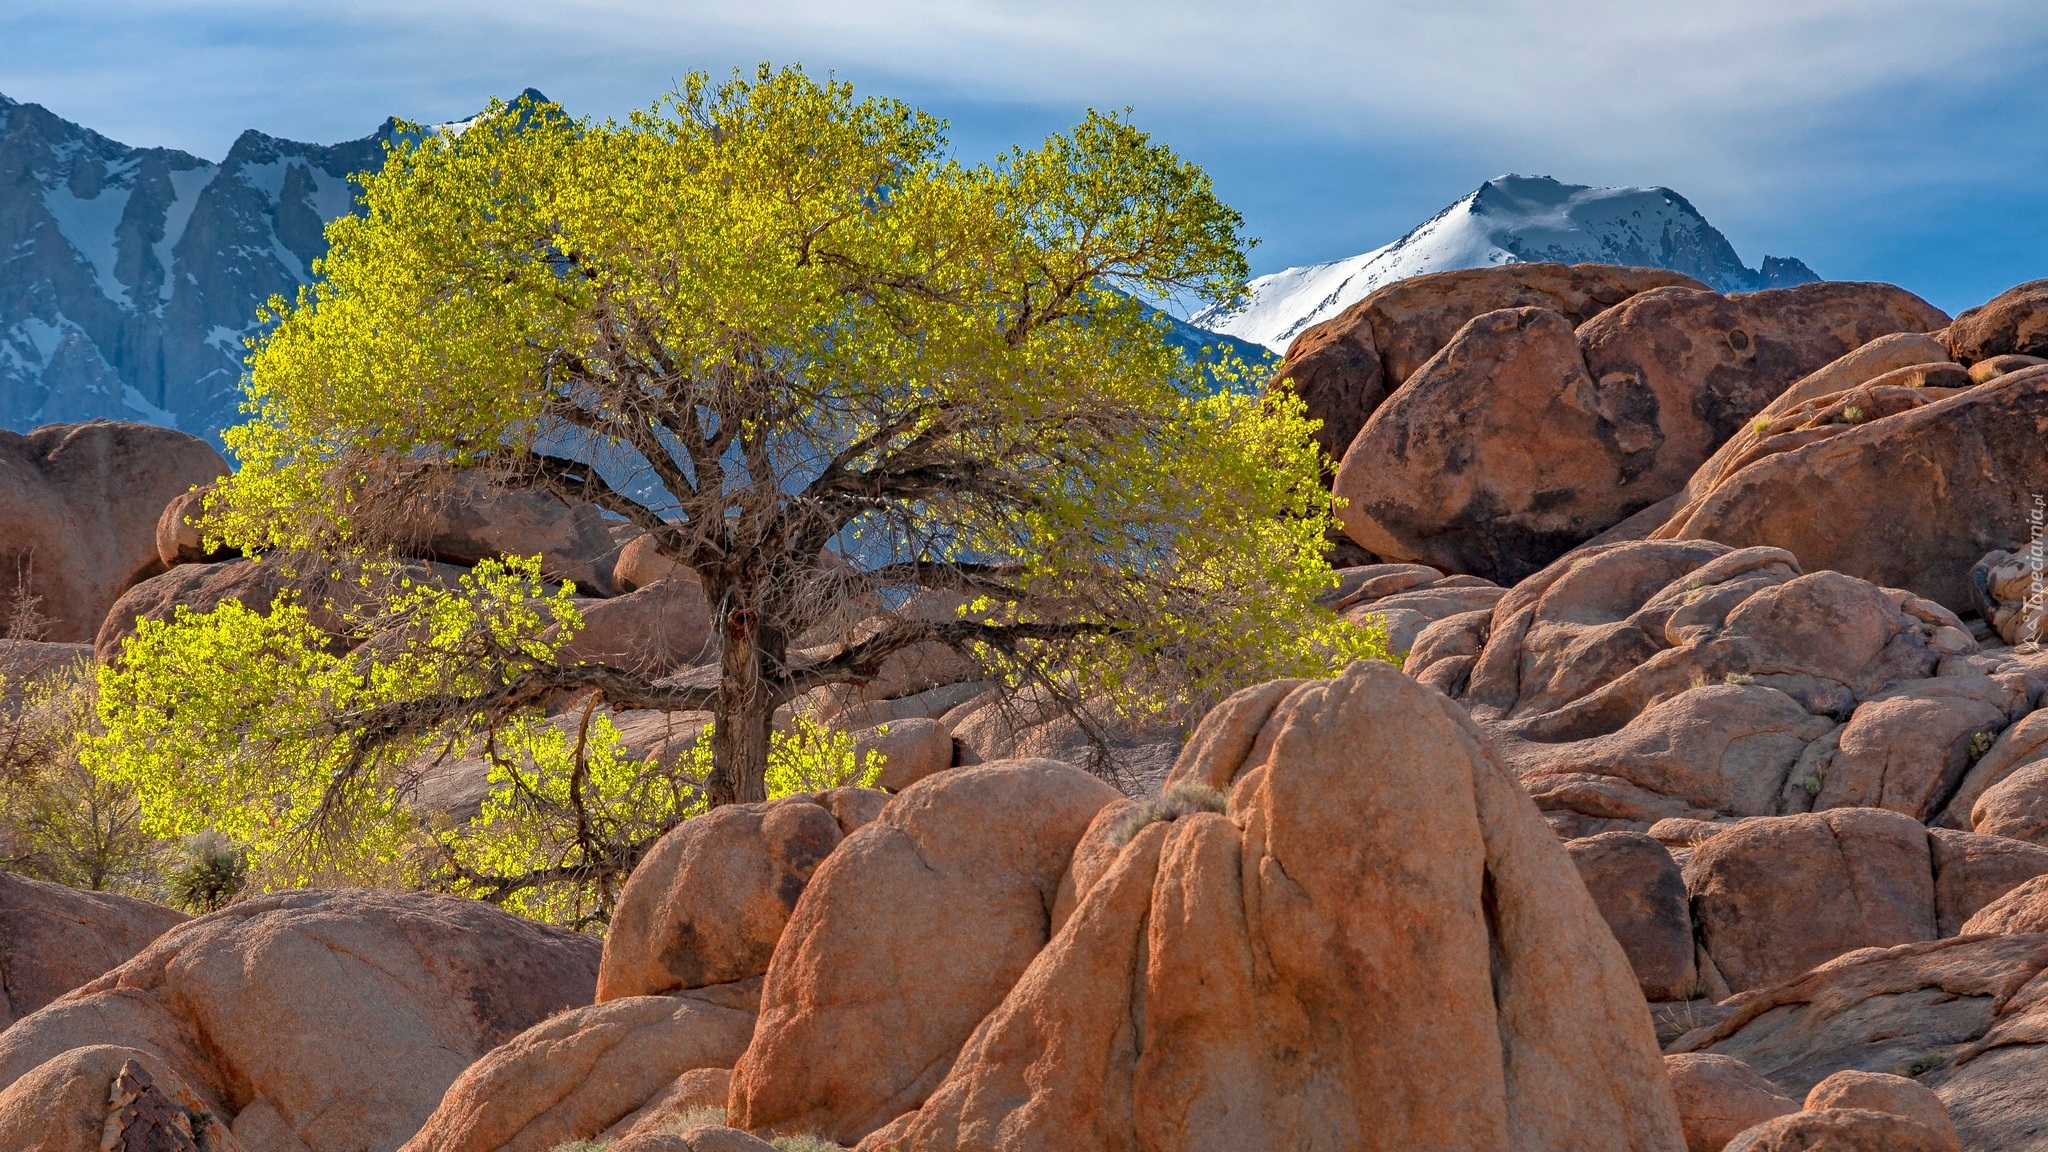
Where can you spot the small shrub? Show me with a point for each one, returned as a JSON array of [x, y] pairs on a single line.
[[1738, 679], [697, 1117], [582, 1146], [806, 1143], [1980, 743], [1922, 1064], [58, 820], [1852, 415], [1178, 801], [209, 874], [1760, 425], [1811, 784]]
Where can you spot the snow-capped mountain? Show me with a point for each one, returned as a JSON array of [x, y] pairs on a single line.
[[1507, 220], [131, 275]]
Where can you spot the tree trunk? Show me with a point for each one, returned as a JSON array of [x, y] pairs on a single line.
[[745, 710]]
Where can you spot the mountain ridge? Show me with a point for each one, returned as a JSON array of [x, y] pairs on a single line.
[[132, 275], [1508, 219]]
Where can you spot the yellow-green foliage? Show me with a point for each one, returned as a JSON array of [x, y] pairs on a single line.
[[252, 725], [812, 758], [238, 722], [888, 295], [745, 287]]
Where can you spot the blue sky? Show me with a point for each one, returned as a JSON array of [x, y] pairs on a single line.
[[1901, 140]]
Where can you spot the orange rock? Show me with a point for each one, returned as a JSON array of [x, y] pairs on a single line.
[[2013, 322], [54, 939], [641, 565], [911, 749], [1378, 946], [199, 587], [106, 1096], [909, 933], [1881, 1092], [1752, 891], [575, 1075], [1908, 500], [1973, 871], [346, 1013], [2023, 908], [1964, 1017], [177, 541], [652, 631], [1637, 887], [79, 505], [466, 518], [708, 903], [1641, 681], [1719, 1097], [1528, 434], [1843, 1130], [1344, 367]]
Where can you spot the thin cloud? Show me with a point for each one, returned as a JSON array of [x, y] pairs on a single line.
[[1758, 110]]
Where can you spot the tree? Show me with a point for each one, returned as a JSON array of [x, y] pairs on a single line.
[[820, 362]]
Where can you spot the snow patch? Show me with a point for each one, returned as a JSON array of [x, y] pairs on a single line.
[[88, 225], [1507, 220], [149, 412], [186, 185]]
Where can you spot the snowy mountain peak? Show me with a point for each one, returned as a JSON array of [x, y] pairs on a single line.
[[1507, 220], [133, 274]]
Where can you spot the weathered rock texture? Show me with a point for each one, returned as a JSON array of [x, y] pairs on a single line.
[[1903, 486], [54, 939], [466, 519], [1720, 1097], [2011, 591], [79, 505], [2014, 322], [1634, 682], [1345, 367], [652, 631], [339, 1016], [1641, 894], [909, 933], [1379, 945], [576, 1075], [1529, 433], [1407, 598], [708, 903], [1963, 1017], [107, 1098]]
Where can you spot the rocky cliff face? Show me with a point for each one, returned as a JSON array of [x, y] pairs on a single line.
[[131, 276]]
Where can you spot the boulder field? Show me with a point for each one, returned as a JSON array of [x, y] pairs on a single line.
[[1707, 809]]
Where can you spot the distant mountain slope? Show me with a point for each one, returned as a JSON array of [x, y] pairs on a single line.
[[131, 275], [1507, 220]]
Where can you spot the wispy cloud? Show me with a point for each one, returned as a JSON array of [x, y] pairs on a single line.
[[1757, 109]]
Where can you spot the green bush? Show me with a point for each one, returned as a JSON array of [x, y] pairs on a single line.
[[210, 873]]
